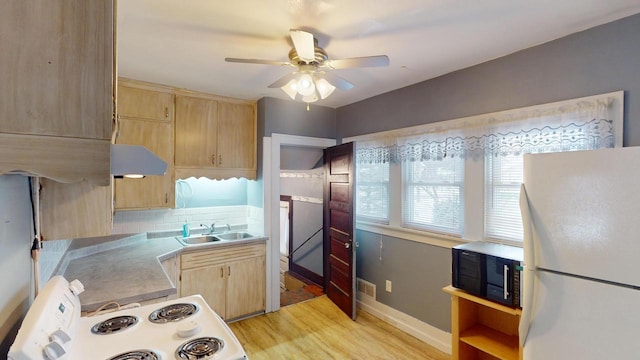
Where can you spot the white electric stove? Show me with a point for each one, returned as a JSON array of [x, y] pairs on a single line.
[[184, 328]]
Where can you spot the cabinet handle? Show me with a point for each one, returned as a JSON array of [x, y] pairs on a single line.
[[166, 112], [221, 272], [219, 159], [213, 159], [166, 198], [229, 270]]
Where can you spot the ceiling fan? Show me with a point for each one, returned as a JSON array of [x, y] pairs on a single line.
[[311, 80]]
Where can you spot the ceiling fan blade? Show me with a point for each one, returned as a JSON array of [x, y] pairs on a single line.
[[283, 81], [303, 42], [257, 61], [338, 82], [365, 61]]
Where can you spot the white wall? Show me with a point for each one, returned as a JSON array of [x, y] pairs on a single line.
[[15, 260]]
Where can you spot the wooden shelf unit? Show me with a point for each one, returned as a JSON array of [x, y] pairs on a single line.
[[482, 329]]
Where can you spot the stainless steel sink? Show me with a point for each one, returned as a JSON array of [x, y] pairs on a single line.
[[198, 239], [234, 236]]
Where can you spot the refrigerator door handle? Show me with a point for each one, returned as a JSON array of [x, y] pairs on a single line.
[[529, 268]]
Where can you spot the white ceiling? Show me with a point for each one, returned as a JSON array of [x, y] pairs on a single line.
[[183, 43]]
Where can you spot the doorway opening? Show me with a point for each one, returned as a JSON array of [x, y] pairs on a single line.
[[300, 261], [292, 151]]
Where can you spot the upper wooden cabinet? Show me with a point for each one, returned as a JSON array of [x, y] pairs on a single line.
[[215, 138], [146, 118], [196, 132], [140, 103], [56, 96]]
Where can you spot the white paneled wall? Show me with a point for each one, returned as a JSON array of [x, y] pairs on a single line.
[[125, 222]]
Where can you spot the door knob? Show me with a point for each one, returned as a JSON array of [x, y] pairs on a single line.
[[347, 245]]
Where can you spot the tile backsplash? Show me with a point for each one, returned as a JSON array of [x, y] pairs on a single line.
[[125, 222]]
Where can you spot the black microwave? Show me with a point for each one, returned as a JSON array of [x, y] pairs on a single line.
[[488, 270]]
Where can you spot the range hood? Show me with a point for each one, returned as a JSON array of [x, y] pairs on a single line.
[[135, 161]]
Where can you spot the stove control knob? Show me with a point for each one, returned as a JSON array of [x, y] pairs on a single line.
[[54, 350], [188, 329], [60, 336], [76, 287]]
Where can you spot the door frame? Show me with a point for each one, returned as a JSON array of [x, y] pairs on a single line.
[[271, 186]]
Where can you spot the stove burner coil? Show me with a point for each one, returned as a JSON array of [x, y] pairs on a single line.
[[114, 325], [173, 312], [136, 355], [199, 348]]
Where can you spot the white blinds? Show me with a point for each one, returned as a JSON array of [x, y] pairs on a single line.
[[372, 191], [503, 176], [433, 192]]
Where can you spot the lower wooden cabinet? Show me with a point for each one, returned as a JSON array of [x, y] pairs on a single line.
[[482, 329], [171, 266], [232, 280]]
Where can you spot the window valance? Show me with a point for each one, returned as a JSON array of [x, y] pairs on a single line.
[[573, 125]]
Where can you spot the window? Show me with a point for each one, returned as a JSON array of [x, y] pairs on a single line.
[[433, 192], [503, 176], [462, 177], [372, 192]]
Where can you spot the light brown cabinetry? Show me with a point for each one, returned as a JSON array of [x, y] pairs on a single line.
[[78, 210], [482, 329], [215, 137], [56, 96], [146, 118], [171, 266], [232, 280]]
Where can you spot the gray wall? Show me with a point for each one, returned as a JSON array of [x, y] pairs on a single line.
[[599, 60], [411, 267], [307, 219], [289, 118], [15, 259]]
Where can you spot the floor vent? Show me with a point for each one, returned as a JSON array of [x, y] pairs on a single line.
[[366, 288]]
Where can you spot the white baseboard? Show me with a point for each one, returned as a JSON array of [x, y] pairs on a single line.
[[433, 336]]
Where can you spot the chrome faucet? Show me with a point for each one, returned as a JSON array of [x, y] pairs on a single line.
[[210, 228], [228, 227]]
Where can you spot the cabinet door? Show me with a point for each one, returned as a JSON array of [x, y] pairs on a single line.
[[246, 287], [144, 104], [236, 136], [77, 210], [57, 68], [208, 281], [151, 191], [171, 267], [196, 129]]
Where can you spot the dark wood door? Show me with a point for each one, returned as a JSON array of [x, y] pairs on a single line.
[[339, 223]]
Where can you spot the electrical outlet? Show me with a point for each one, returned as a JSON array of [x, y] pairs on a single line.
[[387, 286]]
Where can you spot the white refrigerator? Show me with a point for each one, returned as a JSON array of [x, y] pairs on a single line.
[[581, 279]]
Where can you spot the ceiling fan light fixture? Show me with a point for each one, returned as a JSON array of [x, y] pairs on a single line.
[[291, 88], [324, 88], [310, 98], [305, 85]]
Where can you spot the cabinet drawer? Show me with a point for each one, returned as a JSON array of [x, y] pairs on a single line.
[[220, 255]]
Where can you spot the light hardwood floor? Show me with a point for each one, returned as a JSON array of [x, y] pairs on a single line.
[[317, 329]]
